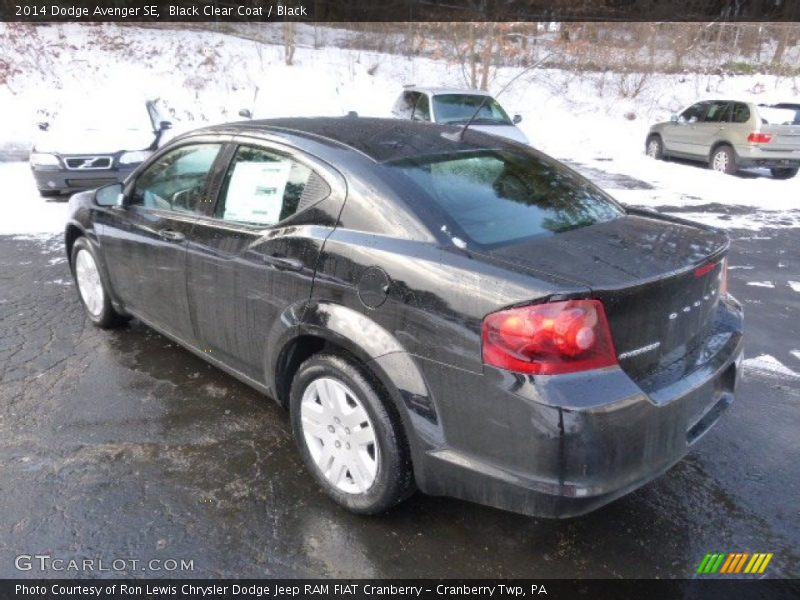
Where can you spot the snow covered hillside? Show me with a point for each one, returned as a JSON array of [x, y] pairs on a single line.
[[208, 77]]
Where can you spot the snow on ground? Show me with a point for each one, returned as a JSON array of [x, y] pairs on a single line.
[[208, 77], [25, 212], [770, 366], [795, 285], [764, 284]]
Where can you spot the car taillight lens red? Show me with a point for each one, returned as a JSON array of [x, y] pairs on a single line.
[[759, 138], [547, 339]]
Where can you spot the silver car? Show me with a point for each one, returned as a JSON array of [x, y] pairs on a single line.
[[453, 106], [730, 135]]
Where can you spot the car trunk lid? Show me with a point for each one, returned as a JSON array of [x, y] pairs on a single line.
[[784, 138], [658, 279], [783, 123]]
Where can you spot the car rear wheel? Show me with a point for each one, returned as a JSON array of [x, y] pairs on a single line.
[[723, 160], [783, 173], [350, 439], [91, 289], [655, 147]]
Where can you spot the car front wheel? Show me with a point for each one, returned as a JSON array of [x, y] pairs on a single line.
[[92, 291], [723, 160], [783, 173], [655, 147], [350, 439]]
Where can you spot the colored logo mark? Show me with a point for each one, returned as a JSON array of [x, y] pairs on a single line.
[[734, 562]]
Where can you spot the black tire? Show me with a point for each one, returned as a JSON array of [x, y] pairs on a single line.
[[723, 160], [783, 173], [393, 479], [104, 316], [654, 147]]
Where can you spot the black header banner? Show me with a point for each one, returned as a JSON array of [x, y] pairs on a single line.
[[398, 10], [412, 589]]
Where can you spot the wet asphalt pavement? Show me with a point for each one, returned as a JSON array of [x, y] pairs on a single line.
[[121, 445]]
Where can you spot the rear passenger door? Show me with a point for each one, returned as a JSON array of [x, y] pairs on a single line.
[[255, 257], [741, 124]]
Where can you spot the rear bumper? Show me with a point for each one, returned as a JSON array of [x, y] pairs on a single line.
[[68, 181], [755, 156], [563, 446]]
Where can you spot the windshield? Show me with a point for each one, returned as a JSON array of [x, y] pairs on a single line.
[[459, 108], [497, 197], [779, 114]]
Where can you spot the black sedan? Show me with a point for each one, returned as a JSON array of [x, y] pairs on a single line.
[[437, 308]]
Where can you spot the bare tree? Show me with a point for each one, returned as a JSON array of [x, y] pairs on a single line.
[[288, 42]]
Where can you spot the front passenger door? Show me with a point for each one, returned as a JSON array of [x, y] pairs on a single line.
[[713, 126], [681, 136]]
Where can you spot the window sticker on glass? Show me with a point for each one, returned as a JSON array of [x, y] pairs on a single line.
[[255, 192]]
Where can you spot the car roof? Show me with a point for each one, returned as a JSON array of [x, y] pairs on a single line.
[[382, 140], [445, 90], [748, 100]]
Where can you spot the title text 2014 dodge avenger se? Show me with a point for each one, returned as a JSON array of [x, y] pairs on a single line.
[[437, 308]]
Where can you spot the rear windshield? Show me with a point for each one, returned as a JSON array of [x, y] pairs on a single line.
[[498, 197], [460, 108], [779, 114]]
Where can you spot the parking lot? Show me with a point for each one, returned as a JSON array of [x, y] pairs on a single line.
[[121, 445]]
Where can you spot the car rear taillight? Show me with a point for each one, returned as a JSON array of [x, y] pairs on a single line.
[[547, 339], [723, 273], [759, 138], [723, 278]]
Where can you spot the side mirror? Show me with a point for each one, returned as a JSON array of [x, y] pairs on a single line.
[[164, 125], [516, 119], [44, 126], [109, 195], [674, 119], [246, 113]]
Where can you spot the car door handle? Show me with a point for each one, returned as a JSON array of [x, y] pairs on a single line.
[[284, 264], [171, 235]]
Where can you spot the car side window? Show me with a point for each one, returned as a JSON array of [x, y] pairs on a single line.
[[263, 188], [694, 113], [741, 113], [717, 112], [422, 111], [177, 180], [404, 107]]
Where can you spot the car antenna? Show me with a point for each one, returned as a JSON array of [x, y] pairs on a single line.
[[459, 135]]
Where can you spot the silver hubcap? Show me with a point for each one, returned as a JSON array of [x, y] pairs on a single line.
[[89, 284], [720, 161], [339, 435], [652, 149]]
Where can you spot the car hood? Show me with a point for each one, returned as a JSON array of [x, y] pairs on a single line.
[[67, 140], [659, 126], [507, 131]]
